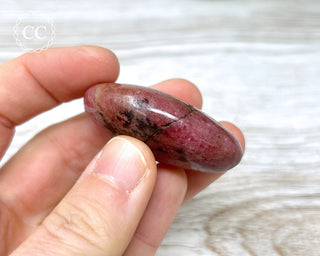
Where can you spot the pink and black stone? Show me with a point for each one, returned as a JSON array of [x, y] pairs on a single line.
[[177, 133]]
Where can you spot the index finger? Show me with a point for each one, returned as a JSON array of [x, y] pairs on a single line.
[[36, 82]]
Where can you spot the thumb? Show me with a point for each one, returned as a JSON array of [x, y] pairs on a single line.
[[101, 212]]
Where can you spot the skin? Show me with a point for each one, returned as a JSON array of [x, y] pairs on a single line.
[[48, 192]]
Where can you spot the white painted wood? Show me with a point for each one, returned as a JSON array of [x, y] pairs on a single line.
[[257, 64]]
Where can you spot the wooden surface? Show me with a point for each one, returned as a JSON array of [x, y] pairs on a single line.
[[257, 64]]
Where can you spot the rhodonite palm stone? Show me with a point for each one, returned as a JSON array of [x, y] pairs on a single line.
[[177, 133]]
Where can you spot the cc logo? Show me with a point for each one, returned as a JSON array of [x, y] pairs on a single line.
[[34, 32], [29, 32]]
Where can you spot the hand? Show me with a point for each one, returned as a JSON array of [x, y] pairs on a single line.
[[56, 200]]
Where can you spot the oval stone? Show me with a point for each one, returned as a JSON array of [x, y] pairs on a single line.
[[177, 133]]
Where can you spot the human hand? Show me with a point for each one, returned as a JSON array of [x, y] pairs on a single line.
[[56, 200]]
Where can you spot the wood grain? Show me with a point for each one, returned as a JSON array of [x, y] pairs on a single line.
[[257, 64]]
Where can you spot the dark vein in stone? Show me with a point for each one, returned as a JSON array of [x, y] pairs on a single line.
[[160, 129]]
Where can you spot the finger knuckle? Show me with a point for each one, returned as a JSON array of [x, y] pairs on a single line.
[[77, 223]]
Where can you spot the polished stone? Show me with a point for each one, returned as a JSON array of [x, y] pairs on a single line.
[[177, 133]]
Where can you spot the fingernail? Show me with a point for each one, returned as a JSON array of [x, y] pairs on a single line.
[[122, 164]]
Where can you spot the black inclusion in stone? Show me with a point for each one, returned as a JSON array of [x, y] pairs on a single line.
[[179, 151], [143, 125], [107, 124], [119, 118], [146, 100], [182, 158], [129, 115], [144, 104]]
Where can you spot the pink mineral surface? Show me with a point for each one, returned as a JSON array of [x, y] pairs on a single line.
[[177, 133]]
